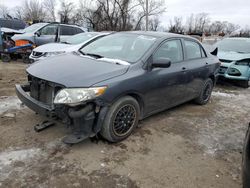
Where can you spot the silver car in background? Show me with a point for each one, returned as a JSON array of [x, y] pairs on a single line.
[[72, 44], [43, 33]]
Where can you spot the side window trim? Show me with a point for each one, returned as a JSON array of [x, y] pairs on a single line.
[[168, 40], [203, 51]]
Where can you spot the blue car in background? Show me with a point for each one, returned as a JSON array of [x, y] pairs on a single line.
[[234, 54]]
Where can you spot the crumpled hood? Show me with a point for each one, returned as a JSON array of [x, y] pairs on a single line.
[[52, 47], [233, 56], [73, 70], [12, 31]]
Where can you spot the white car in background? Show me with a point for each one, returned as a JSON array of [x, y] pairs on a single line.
[[72, 44]]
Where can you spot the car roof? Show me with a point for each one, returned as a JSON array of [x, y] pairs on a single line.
[[158, 34], [237, 38]]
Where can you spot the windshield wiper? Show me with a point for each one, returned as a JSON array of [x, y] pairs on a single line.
[[97, 56], [94, 55], [65, 42]]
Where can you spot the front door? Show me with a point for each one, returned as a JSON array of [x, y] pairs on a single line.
[[47, 34], [167, 86]]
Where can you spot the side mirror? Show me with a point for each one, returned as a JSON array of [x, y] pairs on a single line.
[[38, 33], [161, 63]]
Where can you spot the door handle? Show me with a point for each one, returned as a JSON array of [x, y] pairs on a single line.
[[206, 63], [183, 68]]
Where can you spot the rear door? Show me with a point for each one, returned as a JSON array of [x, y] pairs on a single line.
[[198, 67], [67, 31]]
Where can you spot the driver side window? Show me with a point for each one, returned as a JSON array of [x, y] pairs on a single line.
[[171, 49], [49, 29]]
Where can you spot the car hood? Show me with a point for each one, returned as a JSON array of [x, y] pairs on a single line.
[[233, 56], [74, 70], [25, 36], [53, 47], [11, 31]]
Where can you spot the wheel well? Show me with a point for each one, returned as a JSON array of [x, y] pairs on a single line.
[[212, 78], [140, 102]]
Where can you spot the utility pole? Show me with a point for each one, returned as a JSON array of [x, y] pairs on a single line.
[[146, 15]]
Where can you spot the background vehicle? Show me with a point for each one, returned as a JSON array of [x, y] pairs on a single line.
[[113, 82], [12, 23], [42, 33], [73, 43], [234, 53], [246, 160], [25, 40]]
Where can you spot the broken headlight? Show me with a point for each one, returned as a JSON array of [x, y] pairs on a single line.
[[74, 96]]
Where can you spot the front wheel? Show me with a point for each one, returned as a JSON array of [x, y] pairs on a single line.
[[205, 93], [121, 119], [244, 83]]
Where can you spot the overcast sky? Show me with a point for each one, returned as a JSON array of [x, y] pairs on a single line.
[[235, 11]]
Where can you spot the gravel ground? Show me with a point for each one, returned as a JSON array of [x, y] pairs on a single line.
[[187, 146]]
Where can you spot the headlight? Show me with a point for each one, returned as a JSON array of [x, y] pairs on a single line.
[[47, 54], [74, 96]]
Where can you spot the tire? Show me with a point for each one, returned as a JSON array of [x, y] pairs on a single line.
[[117, 126], [5, 58], [245, 160], [205, 93], [244, 83], [26, 59]]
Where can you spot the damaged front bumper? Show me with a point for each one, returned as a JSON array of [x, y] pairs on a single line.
[[85, 120], [233, 71]]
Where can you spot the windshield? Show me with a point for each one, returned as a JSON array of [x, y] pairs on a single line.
[[235, 45], [80, 38], [123, 46], [33, 27]]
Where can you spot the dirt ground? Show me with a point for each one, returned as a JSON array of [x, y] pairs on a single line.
[[188, 146]]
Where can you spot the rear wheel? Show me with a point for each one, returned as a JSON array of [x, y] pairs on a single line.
[[121, 119], [205, 93]]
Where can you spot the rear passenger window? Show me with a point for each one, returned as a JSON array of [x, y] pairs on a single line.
[[67, 30], [170, 49], [193, 50], [78, 30]]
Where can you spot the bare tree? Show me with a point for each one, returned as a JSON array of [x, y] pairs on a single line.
[[33, 10], [217, 27], [4, 11], [18, 12], [154, 8], [50, 5], [108, 14], [231, 28], [197, 23], [119, 15], [176, 25], [154, 23], [66, 11]]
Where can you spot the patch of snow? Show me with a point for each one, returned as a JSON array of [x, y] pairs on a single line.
[[8, 103], [7, 157], [220, 94]]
